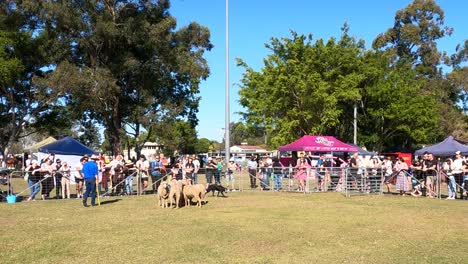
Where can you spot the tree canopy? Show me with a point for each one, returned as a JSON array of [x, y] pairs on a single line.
[[402, 97]]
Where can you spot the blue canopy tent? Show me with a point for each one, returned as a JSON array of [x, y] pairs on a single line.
[[67, 146], [67, 150], [446, 148]]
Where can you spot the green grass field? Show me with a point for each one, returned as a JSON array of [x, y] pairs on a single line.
[[246, 227]]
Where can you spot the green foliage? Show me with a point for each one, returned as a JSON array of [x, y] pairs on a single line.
[[89, 134], [203, 145], [304, 87], [396, 111], [127, 64], [414, 34], [178, 136], [402, 98], [26, 54]]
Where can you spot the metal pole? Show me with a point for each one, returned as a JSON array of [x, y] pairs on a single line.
[[227, 130], [355, 125]]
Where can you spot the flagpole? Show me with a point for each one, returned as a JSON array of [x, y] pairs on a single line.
[[227, 130]]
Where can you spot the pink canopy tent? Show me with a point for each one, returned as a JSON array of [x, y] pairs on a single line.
[[318, 144]]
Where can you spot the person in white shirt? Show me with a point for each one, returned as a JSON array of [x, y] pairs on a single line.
[[143, 166], [457, 171], [196, 164]]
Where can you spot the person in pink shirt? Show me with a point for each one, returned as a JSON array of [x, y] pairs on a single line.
[[301, 172]]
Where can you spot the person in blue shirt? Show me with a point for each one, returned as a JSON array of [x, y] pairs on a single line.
[[90, 174]]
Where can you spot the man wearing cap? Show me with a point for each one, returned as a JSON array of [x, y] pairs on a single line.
[[90, 173]]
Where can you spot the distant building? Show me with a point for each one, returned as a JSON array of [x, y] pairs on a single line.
[[149, 148], [243, 151]]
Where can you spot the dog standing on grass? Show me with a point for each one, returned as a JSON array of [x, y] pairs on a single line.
[[163, 195], [216, 187]]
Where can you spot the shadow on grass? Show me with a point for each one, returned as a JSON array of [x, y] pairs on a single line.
[[110, 201]]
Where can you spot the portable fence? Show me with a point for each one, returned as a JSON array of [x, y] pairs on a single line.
[[348, 181], [459, 183], [362, 181]]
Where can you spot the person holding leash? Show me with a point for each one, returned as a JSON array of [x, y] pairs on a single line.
[[90, 173]]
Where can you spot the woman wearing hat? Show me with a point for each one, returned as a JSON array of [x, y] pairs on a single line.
[[65, 180]]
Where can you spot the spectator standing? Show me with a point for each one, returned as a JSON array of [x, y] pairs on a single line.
[[457, 170], [142, 166], [189, 168], [90, 174], [211, 168], [416, 167], [219, 171], [320, 173], [155, 171], [388, 170], [65, 181], [464, 186], [231, 168], [263, 174], [177, 171], [278, 170], [430, 169], [58, 179], [116, 174], [27, 162], [301, 173], [48, 183], [252, 166], [33, 180], [196, 168], [128, 171], [402, 182], [447, 168], [79, 180]]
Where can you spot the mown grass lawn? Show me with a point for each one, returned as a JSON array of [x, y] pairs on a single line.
[[247, 227]]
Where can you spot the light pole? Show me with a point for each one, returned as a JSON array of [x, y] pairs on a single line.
[[355, 124], [226, 130]]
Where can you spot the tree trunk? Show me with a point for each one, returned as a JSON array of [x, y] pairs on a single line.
[[116, 129]]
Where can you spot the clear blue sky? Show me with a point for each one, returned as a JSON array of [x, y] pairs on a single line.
[[253, 22]]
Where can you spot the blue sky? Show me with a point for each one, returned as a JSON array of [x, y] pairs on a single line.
[[253, 22]]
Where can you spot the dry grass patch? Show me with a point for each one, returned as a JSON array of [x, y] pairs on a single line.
[[248, 227]]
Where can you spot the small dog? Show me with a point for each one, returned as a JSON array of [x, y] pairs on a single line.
[[216, 187]]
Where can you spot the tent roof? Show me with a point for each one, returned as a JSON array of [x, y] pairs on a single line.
[[67, 146], [447, 147], [318, 144], [362, 151], [44, 142]]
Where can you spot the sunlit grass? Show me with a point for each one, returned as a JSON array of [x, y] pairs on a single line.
[[247, 227]]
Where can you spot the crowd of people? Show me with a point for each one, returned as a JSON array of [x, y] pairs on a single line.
[[115, 176]]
